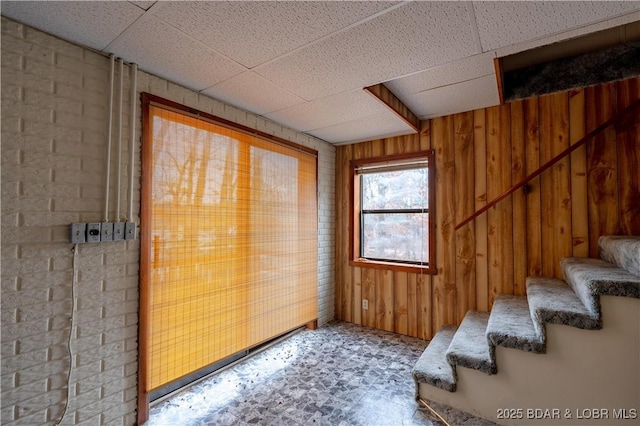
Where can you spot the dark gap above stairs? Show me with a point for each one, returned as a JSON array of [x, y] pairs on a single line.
[[586, 63]]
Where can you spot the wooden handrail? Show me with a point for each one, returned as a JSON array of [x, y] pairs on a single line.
[[550, 163]]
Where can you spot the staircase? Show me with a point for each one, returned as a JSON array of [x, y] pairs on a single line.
[[521, 364]]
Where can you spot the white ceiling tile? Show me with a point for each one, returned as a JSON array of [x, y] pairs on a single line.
[[465, 96], [255, 32], [164, 50], [454, 72], [407, 39], [91, 24], [374, 127], [505, 23], [254, 93], [323, 112]]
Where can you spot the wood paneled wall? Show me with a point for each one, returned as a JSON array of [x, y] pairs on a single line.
[[480, 154]]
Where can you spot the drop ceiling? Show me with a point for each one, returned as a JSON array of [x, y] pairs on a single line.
[[305, 64]]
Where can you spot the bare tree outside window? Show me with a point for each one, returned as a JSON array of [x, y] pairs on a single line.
[[392, 212], [395, 215]]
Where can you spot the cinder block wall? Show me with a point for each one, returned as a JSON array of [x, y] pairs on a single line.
[[54, 119]]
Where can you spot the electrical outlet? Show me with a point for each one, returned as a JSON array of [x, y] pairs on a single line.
[[93, 232], [365, 304], [78, 232], [118, 231], [106, 231], [130, 231]]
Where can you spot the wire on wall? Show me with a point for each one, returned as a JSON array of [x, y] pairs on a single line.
[[74, 308]]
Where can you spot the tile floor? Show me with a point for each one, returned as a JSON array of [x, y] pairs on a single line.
[[340, 374]]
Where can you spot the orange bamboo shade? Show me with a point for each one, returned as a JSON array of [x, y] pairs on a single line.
[[233, 243]]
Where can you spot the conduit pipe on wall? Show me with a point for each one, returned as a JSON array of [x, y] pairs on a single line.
[[109, 125], [132, 139], [119, 168]]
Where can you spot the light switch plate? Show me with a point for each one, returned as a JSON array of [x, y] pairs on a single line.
[[118, 231], [78, 232], [130, 231], [106, 231]]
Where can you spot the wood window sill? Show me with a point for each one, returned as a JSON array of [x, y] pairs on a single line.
[[392, 266]]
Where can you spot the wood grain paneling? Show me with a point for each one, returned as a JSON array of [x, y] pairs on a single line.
[[518, 166], [602, 174], [499, 218], [400, 298], [532, 160], [629, 160], [594, 191], [480, 188], [579, 220], [444, 283], [555, 183], [464, 207]]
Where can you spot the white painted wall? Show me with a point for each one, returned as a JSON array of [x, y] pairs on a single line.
[[54, 119]]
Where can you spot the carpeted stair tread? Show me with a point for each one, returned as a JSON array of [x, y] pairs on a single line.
[[469, 347], [432, 366], [553, 301], [622, 251], [590, 278], [510, 325]]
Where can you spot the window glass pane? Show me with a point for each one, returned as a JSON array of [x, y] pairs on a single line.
[[396, 236], [400, 189]]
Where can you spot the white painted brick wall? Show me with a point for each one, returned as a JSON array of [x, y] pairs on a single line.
[[54, 113]]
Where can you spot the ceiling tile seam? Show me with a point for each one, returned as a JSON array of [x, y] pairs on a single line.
[[155, 3], [453, 84], [142, 8], [332, 34], [308, 101], [557, 36], [474, 26], [387, 111], [201, 42], [383, 110], [367, 139], [292, 51], [446, 64], [204, 47], [106, 49], [275, 84]]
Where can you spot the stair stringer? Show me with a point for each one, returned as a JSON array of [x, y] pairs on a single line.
[[582, 371]]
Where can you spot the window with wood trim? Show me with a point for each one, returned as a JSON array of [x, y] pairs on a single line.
[[392, 212]]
